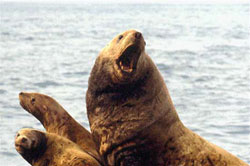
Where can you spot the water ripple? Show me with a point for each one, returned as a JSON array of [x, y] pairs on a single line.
[[51, 48], [45, 84]]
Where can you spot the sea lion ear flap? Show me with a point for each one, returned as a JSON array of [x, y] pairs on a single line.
[[45, 108]]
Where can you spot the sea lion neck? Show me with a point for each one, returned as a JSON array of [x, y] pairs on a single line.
[[134, 107], [41, 146]]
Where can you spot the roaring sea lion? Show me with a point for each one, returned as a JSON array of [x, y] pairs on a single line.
[[56, 119], [49, 149], [132, 117]]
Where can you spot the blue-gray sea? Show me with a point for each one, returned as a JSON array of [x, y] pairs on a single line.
[[202, 51]]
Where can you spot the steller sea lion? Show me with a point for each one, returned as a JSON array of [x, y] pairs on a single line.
[[56, 119], [132, 117], [49, 149]]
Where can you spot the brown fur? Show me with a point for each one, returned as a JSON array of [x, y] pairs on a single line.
[[48, 149], [56, 119], [133, 119]]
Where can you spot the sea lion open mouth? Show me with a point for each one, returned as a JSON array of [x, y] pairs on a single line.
[[128, 60]]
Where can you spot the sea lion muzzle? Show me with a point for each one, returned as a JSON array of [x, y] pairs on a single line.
[[128, 60]]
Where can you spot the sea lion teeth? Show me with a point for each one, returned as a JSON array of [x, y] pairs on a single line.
[[127, 59], [127, 69], [147, 132]]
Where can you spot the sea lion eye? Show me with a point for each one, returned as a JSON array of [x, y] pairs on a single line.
[[120, 37], [33, 100]]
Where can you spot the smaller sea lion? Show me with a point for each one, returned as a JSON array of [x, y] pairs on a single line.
[[49, 149], [56, 119]]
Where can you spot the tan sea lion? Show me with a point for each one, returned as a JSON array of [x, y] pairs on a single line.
[[56, 119], [49, 149], [132, 117]]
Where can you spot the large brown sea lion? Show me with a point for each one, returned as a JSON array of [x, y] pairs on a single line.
[[56, 119], [132, 117], [49, 149]]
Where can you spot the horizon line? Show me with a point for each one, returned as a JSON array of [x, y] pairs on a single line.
[[177, 2]]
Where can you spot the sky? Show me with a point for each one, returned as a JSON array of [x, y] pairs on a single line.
[[137, 1]]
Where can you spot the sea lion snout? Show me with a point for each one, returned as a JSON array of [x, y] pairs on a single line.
[[23, 94], [131, 49], [134, 37], [22, 142], [22, 99]]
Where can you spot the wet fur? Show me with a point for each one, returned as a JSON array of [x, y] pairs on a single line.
[[56, 119], [56, 151], [134, 121]]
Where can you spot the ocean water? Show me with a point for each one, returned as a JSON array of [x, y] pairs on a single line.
[[202, 51]]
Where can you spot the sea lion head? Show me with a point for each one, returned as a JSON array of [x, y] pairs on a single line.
[[37, 104], [30, 143], [119, 61]]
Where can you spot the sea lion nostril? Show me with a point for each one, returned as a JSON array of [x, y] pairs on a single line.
[[120, 37], [137, 35]]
